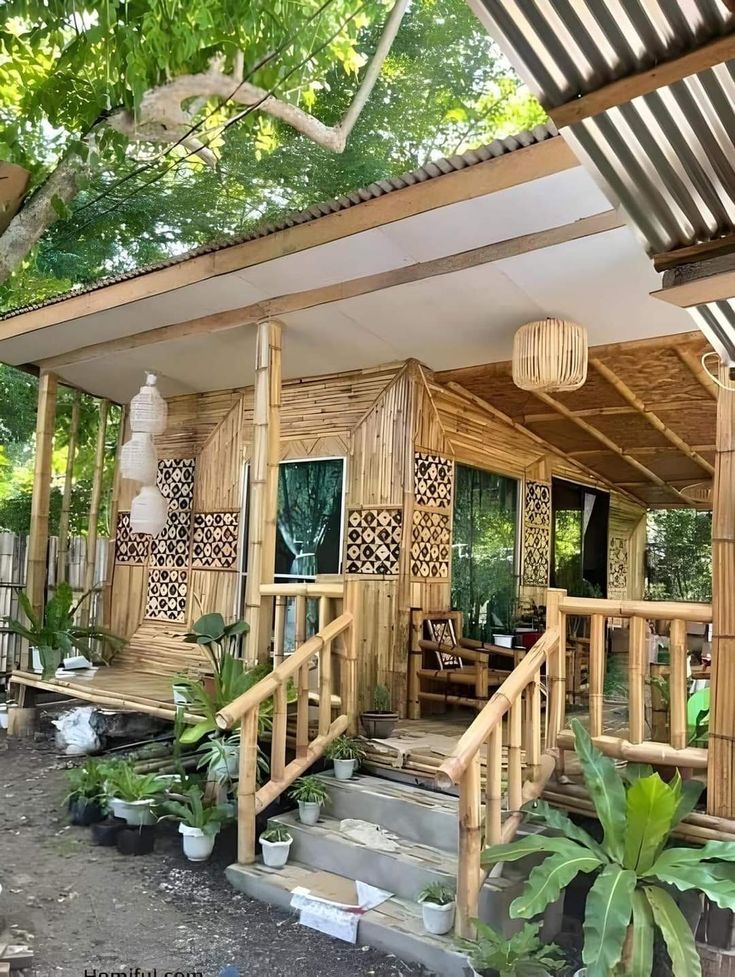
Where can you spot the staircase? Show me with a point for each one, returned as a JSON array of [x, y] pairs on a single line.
[[425, 826]]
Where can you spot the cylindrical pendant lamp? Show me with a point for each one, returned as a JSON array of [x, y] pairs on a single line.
[[138, 459], [148, 511], [148, 410], [550, 355]]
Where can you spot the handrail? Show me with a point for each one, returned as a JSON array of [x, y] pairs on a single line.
[[310, 589], [648, 609]]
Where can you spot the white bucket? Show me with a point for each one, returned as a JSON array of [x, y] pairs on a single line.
[[309, 811], [344, 769], [275, 853], [3, 716], [198, 846], [438, 919], [134, 812]]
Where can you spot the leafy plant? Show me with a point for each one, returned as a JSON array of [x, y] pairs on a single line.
[[218, 750], [86, 781], [276, 834], [127, 785], [381, 699], [521, 955], [217, 638], [436, 893], [309, 790], [194, 810], [635, 871], [54, 632], [345, 748]]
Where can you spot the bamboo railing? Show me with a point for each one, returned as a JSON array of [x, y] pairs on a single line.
[[333, 648]]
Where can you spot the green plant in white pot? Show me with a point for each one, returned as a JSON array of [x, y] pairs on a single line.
[[310, 794], [635, 871], [132, 795], [438, 907], [521, 955], [275, 846], [346, 753], [199, 822]]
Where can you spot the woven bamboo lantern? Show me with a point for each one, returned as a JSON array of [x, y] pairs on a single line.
[[550, 355], [700, 492], [148, 410], [138, 459], [148, 511]]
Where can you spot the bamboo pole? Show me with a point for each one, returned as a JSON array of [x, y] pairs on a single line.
[[38, 538], [247, 787], [263, 498], [652, 610], [515, 769], [114, 507], [494, 785], [469, 877], [279, 631], [533, 735], [415, 662], [302, 712], [556, 667], [596, 672], [325, 688], [68, 487], [647, 751], [315, 589], [94, 509], [278, 733], [678, 684], [636, 679]]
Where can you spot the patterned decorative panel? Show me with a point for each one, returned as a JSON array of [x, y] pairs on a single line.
[[130, 547], [433, 477], [536, 534], [176, 481], [214, 541], [617, 567], [167, 592], [431, 537], [374, 540], [172, 546]]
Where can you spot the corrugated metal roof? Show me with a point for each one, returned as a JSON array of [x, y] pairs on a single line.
[[429, 171]]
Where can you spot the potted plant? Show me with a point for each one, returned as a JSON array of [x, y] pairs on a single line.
[[199, 822], [635, 870], [137, 839], [132, 795], [179, 689], [310, 794], [3, 715], [438, 907], [521, 955], [105, 832], [53, 635], [275, 846], [86, 793], [346, 753], [379, 722]]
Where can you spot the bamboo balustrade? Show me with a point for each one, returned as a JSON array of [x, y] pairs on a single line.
[[333, 648]]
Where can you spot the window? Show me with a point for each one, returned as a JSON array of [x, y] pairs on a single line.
[[484, 548], [580, 518]]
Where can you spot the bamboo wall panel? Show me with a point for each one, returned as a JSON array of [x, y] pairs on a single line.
[[213, 590], [130, 585], [219, 468]]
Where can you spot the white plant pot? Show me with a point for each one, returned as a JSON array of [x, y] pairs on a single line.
[[198, 846], [3, 716], [36, 663], [275, 853], [309, 811], [580, 973], [179, 694], [134, 812], [344, 769], [438, 919], [503, 640]]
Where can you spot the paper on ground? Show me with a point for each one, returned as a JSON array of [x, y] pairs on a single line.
[[336, 919]]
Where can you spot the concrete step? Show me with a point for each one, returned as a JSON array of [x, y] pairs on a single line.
[[424, 816], [394, 927]]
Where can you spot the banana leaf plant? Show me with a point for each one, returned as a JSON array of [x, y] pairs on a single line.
[[634, 865], [54, 632], [216, 638]]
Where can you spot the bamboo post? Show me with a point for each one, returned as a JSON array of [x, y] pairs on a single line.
[[302, 711], [659, 711], [678, 684], [469, 878], [515, 768], [114, 507], [494, 784], [636, 676], [415, 661], [348, 679], [721, 772], [68, 487], [300, 621], [263, 498], [38, 538], [533, 730], [279, 631], [325, 688], [247, 788], [94, 509], [555, 669], [278, 733], [596, 672]]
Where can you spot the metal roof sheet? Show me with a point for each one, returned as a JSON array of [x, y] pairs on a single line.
[[429, 171]]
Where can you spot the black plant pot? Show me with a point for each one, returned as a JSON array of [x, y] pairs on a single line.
[[83, 810], [138, 840], [105, 833], [378, 725]]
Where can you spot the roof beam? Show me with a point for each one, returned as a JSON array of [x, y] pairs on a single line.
[[308, 299], [644, 82], [709, 280], [659, 450], [666, 260], [693, 362], [653, 419]]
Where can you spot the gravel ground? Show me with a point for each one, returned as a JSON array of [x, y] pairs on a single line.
[[90, 910]]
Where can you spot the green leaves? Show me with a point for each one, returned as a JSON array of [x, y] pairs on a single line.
[[541, 811], [529, 845], [642, 935], [651, 806], [606, 918], [606, 790], [717, 882], [677, 935], [547, 880]]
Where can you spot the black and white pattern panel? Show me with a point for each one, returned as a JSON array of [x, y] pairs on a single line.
[[170, 555], [130, 548], [617, 568], [536, 534], [172, 546], [431, 538], [374, 541], [167, 594], [176, 481], [433, 479], [214, 540]]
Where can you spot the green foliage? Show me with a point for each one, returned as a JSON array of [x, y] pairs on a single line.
[[381, 699], [55, 634], [127, 785], [679, 555], [87, 780], [521, 955], [436, 893], [309, 790], [193, 809], [346, 748], [633, 866], [276, 834]]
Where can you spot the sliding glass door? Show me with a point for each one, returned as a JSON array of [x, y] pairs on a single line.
[[580, 520]]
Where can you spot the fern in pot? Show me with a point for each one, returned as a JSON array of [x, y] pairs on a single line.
[[438, 907], [346, 753], [275, 845], [310, 794], [199, 822]]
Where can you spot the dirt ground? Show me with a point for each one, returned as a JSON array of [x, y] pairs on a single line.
[[92, 910]]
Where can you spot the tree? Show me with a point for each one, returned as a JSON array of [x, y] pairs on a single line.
[[680, 555]]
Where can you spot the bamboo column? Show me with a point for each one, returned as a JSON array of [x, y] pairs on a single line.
[[68, 486], [721, 768], [114, 507], [264, 463], [94, 508], [469, 879]]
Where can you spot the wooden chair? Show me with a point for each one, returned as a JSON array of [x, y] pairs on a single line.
[[467, 669]]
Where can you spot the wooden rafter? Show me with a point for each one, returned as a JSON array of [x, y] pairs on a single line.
[[653, 419], [644, 82], [666, 260], [658, 450], [692, 360]]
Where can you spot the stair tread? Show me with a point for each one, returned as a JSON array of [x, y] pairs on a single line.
[[394, 790]]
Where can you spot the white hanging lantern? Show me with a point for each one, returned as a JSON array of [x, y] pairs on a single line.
[[550, 355], [148, 410], [138, 459], [148, 511]]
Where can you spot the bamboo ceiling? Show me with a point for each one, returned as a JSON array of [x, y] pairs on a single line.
[[644, 420]]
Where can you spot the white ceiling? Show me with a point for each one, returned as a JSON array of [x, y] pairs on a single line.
[[455, 320]]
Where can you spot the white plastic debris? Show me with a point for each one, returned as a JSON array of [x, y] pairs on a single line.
[[74, 733]]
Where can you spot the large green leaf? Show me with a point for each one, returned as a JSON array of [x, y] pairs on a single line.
[[676, 933], [529, 845], [542, 811], [211, 625], [715, 881], [194, 733], [651, 805], [642, 949], [722, 850], [691, 791], [606, 790], [547, 880], [607, 914]]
